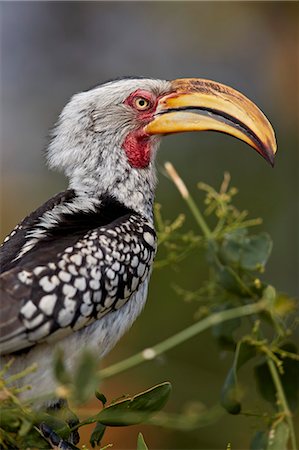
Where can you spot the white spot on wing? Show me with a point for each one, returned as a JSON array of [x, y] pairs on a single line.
[[135, 261], [98, 254], [80, 283], [94, 284], [72, 269], [96, 273], [85, 309], [47, 303], [39, 269], [135, 282], [25, 277], [149, 238], [114, 282], [69, 290], [110, 274], [46, 284], [28, 309], [40, 333], [127, 292], [136, 249], [90, 260], [87, 297], [76, 259], [35, 322], [115, 266], [66, 315], [140, 269], [64, 276]]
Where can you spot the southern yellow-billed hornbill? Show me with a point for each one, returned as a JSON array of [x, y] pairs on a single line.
[[75, 272]]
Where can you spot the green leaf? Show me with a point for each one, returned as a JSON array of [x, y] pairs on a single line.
[[97, 434], [265, 383], [259, 441], [25, 427], [135, 409], [231, 394], [9, 419], [141, 445], [101, 397], [60, 372], [229, 279], [246, 252], [290, 376], [278, 437], [226, 276], [86, 378]]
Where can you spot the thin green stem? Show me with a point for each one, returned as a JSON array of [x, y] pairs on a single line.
[[22, 374], [6, 367], [285, 354], [282, 401], [198, 216], [182, 336]]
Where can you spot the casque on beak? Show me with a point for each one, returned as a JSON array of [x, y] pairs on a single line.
[[196, 105]]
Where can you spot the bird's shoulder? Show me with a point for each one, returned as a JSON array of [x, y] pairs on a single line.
[[17, 238], [59, 222]]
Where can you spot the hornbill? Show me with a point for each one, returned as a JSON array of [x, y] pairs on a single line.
[[75, 272]]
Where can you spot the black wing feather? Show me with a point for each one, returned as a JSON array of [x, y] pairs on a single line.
[[86, 266]]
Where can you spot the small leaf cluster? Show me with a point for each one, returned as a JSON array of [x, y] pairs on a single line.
[[22, 426], [237, 261], [174, 245]]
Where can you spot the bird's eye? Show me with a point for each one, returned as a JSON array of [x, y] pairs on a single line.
[[141, 103]]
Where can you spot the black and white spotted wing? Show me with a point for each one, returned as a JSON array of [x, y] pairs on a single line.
[[68, 280]]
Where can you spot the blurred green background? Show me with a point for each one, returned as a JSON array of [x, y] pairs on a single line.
[[51, 50]]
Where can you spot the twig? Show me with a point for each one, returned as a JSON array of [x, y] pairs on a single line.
[[225, 183], [188, 199], [282, 401], [22, 374], [182, 336]]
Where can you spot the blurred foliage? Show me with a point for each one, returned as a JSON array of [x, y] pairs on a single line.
[[174, 245], [233, 293], [24, 427]]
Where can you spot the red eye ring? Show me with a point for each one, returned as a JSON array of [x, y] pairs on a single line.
[[141, 101]]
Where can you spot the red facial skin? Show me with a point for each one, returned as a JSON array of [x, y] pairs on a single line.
[[137, 143]]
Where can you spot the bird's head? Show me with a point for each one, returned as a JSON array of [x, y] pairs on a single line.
[[106, 138]]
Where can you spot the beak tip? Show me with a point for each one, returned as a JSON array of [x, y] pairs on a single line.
[[269, 156]]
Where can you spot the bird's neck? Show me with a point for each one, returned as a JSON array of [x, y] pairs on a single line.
[[134, 188], [97, 165]]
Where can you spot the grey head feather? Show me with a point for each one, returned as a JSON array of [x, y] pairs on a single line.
[[88, 138]]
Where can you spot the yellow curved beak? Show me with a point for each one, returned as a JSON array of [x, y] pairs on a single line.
[[196, 105]]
